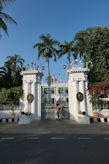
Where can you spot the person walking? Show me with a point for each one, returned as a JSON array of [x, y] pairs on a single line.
[[57, 111], [61, 111]]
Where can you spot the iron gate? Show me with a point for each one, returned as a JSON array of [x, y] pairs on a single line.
[[50, 96]]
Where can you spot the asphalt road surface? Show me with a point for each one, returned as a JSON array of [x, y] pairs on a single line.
[[54, 142], [54, 149]]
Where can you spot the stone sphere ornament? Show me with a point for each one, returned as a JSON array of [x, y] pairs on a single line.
[[30, 98], [80, 96]]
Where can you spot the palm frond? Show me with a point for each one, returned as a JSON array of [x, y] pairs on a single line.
[[3, 26], [4, 2], [6, 17]]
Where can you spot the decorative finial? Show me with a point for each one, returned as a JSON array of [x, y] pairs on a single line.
[[64, 66], [35, 66], [70, 65], [81, 63], [43, 67], [73, 63], [76, 60], [32, 64], [28, 67]]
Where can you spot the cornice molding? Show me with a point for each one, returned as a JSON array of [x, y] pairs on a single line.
[[32, 72], [77, 70]]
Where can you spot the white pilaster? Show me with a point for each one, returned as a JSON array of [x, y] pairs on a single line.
[[82, 89], [72, 91], [33, 104], [39, 101], [25, 88], [75, 102]]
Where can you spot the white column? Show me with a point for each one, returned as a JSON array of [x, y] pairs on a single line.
[[70, 95], [39, 101], [82, 103], [29, 91], [86, 96], [73, 104], [75, 98], [33, 104], [25, 97]]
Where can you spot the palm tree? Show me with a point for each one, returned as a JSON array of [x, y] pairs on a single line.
[[2, 71], [5, 77], [14, 64], [66, 48], [47, 50], [5, 17]]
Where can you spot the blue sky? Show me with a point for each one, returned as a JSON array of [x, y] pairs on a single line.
[[61, 18]]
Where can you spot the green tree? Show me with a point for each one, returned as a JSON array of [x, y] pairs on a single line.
[[15, 65], [47, 49], [2, 71], [4, 18], [11, 95], [66, 48], [5, 78], [14, 62], [79, 43], [93, 45], [10, 73]]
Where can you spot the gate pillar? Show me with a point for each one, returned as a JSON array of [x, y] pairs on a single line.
[[31, 100], [79, 103]]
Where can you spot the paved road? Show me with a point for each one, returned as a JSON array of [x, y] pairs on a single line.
[[53, 142], [54, 149]]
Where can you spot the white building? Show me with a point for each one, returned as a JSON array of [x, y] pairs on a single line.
[[56, 93]]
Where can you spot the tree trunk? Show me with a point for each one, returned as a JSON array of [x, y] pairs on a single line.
[[48, 81], [47, 59], [68, 57], [69, 63]]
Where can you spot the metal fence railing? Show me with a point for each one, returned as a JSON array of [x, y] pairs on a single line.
[[102, 105], [49, 112], [9, 107]]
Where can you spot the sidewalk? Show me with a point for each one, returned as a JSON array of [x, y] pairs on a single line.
[[54, 127]]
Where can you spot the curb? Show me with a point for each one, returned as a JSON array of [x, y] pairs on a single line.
[[99, 119], [9, 120]]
